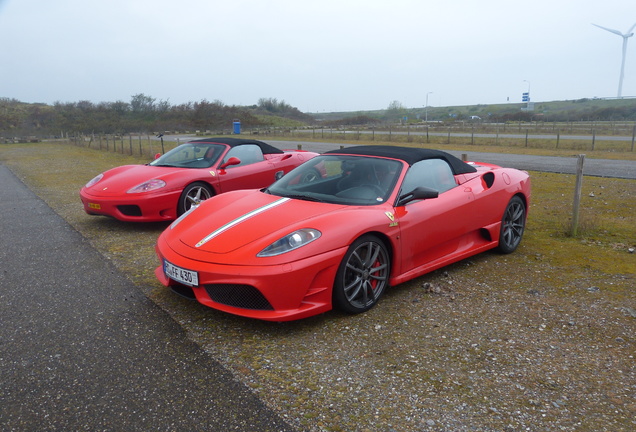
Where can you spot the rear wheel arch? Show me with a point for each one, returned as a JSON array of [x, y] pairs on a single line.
[[524, 199], [385, 239]]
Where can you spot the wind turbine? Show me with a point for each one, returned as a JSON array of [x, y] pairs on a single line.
[[625, 36]]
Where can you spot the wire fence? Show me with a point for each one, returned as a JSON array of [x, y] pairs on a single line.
[[616, 137], [478, 136]]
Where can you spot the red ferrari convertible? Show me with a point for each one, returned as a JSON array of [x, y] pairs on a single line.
[[185, 176], [339, 230]]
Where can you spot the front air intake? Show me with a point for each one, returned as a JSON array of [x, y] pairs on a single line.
[[236, 295], [129, 210]]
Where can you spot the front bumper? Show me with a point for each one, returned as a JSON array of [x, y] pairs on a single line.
[[283, 292], [151, 207]]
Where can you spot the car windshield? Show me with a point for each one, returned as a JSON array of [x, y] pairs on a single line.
[[191, 155], [341, 179]]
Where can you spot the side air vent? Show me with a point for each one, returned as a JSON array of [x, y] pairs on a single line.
[[488, 179], [485, 234]]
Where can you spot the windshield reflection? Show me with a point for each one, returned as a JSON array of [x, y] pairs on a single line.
[[341, 179], [191, 155]]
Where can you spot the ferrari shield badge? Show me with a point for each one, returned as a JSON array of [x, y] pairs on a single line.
[[391, 218]]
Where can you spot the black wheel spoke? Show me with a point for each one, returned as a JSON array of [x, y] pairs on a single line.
[[353, 288], [374, 257], [366, 289], [373, 271]]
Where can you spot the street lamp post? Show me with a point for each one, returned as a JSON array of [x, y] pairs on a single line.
[[426, 108]]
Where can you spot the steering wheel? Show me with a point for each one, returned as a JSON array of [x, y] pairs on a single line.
[[374, 188]]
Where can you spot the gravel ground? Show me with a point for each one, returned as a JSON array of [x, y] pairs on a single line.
[[521, 342], [451, 351]]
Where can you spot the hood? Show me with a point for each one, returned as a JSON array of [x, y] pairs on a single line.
[[121, 179], [233, 220]]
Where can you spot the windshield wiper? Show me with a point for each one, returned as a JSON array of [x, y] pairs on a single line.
[[303, 197]]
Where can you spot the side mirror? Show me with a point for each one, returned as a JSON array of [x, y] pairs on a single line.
[[231, 161], [157, 156], [419, 193]]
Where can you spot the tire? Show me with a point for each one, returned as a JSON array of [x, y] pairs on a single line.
[[363, 275], [193, 195], [513, 224]]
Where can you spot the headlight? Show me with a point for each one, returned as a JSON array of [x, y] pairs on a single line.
[[290, 242], [148, 186], [94, 180]]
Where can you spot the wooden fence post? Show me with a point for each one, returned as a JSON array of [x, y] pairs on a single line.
[[577, 195]]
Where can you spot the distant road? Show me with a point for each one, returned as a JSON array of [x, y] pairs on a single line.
[[556, 164]]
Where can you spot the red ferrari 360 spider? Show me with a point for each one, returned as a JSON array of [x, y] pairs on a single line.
[[185, 176], [339, 230]]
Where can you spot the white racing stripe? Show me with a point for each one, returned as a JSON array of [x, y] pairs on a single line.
[[237, 221]]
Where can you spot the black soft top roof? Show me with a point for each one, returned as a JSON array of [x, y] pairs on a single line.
[[233, 142], [410, 155]]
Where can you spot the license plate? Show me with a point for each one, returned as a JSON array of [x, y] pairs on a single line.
[[94, 206], [184, 276]]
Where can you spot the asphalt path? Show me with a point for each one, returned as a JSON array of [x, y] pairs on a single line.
[[557, 164], [82, 348]]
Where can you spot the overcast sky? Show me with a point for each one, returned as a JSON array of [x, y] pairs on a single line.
[[319, 56]]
